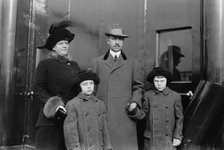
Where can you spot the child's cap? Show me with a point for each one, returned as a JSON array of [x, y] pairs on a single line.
[[159, 71], [86, 75]]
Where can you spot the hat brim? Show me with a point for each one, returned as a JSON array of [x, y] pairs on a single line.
[[178, 55], [116, 35], [44, 47]]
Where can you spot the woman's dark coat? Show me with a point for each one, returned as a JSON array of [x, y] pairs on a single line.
[[54, 77], [164, 114], [85, 126]]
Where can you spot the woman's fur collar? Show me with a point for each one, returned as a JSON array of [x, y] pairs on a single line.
[[55, 55]]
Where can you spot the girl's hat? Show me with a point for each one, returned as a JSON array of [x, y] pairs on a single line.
[[159, 71], [58, 32], [86, 75]]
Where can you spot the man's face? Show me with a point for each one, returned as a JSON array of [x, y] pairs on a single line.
[[115, 43], [87, 87], [62, 47], [160, 82]]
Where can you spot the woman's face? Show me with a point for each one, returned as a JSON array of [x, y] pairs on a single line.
[[62, 48], [87, 87]]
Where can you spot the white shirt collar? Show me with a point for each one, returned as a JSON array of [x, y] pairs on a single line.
[[115, 53]]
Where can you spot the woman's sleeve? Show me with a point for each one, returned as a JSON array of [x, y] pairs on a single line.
[[40, 83]]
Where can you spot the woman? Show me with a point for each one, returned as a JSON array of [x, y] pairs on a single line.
[[53, 88]]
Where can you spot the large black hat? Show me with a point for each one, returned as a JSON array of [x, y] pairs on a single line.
[[86, 75], [159, 71], [58, 32]]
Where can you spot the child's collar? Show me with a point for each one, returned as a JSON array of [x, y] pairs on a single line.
[[165, 91], [87, 97]]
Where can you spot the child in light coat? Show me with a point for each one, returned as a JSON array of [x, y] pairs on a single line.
[[162, 108], [85, 126]]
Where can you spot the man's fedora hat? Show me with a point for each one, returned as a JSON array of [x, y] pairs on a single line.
[[115, 30], [176, 51]]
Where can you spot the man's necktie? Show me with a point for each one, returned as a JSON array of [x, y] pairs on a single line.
[[115, 57]]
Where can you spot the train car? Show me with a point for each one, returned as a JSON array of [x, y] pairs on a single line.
[[156, 28]]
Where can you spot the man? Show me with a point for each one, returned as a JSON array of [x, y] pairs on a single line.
[[171, 59], [176, 51], [121, 83]]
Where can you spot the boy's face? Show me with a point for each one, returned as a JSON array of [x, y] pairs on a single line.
[[160, 82], [87, 87]]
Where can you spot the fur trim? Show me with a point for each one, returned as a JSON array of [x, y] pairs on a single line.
[[51, 106]]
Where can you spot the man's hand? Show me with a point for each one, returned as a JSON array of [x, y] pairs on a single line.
[[176, 142]]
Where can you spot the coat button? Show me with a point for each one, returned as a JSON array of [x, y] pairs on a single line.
[[167, 120], [167, 134], [86, 114]]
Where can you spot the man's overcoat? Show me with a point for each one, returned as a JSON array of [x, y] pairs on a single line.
[[121, 82]]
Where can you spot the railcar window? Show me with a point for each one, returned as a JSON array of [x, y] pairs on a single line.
[[174, 52]]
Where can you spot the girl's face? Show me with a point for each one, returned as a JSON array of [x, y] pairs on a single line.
[[62, 48], [160, 82], [87, 87]]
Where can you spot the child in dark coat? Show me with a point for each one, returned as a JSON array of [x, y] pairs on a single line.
[[85, 126], [163, 111]]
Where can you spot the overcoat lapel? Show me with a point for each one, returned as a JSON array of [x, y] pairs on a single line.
[[118, 63], [109, 61]]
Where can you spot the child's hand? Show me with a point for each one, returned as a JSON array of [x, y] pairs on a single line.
[[62, 108], [190, 94], [176, 142], [132, 106]]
